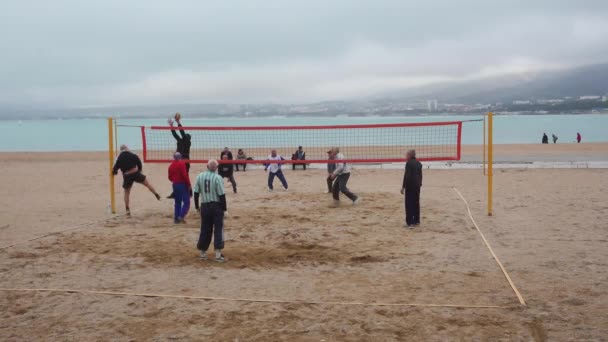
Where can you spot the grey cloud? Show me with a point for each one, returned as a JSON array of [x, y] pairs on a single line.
[[117, 52]]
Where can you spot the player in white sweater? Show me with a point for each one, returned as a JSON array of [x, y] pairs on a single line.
[[275, 170]]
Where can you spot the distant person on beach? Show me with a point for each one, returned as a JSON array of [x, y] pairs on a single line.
[[183, 143], [182, 189], [412, 182], [554, 138], [209, 187], [578, 138], [227, 152], [130, 165], [340, 176], [227, 171], [545, 138], [241, 155], [331, 167], [274, 169], [299, 155]]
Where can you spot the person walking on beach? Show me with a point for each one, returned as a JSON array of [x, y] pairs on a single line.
[[554, 138], [412, 182], [209, 187], [182, 189], [340, 176], [275, 170], [578, 138], [331, 167], [227, 171], [130, 166], [545, 138]]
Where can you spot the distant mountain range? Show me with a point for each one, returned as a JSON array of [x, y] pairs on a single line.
[[588, 80]]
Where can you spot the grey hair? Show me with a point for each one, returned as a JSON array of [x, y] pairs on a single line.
[[412, 153], [124, 147], [212, 164]]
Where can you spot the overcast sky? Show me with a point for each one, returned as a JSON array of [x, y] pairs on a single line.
[[133, 52]]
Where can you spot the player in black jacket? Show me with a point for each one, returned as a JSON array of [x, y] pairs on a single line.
[[227, 171], [412, 182], [130, 165]]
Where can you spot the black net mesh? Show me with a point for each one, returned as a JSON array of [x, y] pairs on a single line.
[[361, 143]]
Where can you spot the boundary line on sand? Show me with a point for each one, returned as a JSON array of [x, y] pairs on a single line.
[[504, 271], [79, 226], [250, 300]]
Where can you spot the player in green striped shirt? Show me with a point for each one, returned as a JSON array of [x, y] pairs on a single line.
[[209, 186]]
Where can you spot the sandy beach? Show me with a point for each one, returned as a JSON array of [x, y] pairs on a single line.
[[549, 229]]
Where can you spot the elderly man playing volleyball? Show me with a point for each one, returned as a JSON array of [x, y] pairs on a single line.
[[130, 165], [209, 187], [341, 175]]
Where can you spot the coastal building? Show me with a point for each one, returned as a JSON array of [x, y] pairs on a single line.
[[431, 105]]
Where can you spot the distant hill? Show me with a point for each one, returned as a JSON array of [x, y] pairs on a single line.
[[588, 80]]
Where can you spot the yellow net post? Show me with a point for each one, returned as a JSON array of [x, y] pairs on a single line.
[[484, 145], [111, 160], [490, 162]]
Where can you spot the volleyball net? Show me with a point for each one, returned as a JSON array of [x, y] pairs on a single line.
[[370, 143]]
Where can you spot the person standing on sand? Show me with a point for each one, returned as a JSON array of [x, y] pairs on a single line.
[[545, 138], [130, 165], [340, 176], [227, 171], [331, 167], [227, 152], [275, 170], [412, 182], [182, 189], [578, 138], [554, 138], [210, 187]]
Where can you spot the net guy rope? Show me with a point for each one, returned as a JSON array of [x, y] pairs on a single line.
[[250, 300], [504, 271]]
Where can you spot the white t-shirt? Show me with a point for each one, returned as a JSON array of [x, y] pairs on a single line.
[[341, 168], [274, 167]]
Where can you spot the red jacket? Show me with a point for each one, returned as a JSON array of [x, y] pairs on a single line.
[[178, 173]]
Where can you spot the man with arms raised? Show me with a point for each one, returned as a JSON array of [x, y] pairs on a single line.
[[412, 182], [341, 176], [130, 165], [210, 188]]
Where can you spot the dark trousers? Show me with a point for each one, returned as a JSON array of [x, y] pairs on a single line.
[[241, 165], [340, 187], [232, 181], [281, 177], [181, 197], [412, 206], [330, 182], [212, 224], [294, 166]]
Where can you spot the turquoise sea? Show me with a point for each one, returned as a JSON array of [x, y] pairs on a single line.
[[91, 134]]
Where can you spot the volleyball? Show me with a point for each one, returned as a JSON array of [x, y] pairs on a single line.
[[177, 116]]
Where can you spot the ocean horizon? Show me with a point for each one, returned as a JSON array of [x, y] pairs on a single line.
[[90, 134]]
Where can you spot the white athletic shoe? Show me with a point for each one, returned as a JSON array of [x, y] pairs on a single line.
[[219, 257], [269, 190], [286, 189], [203, 255], [357, 201], [336, 203]]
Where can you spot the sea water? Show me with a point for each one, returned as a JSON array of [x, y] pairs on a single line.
[[92, 134]]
